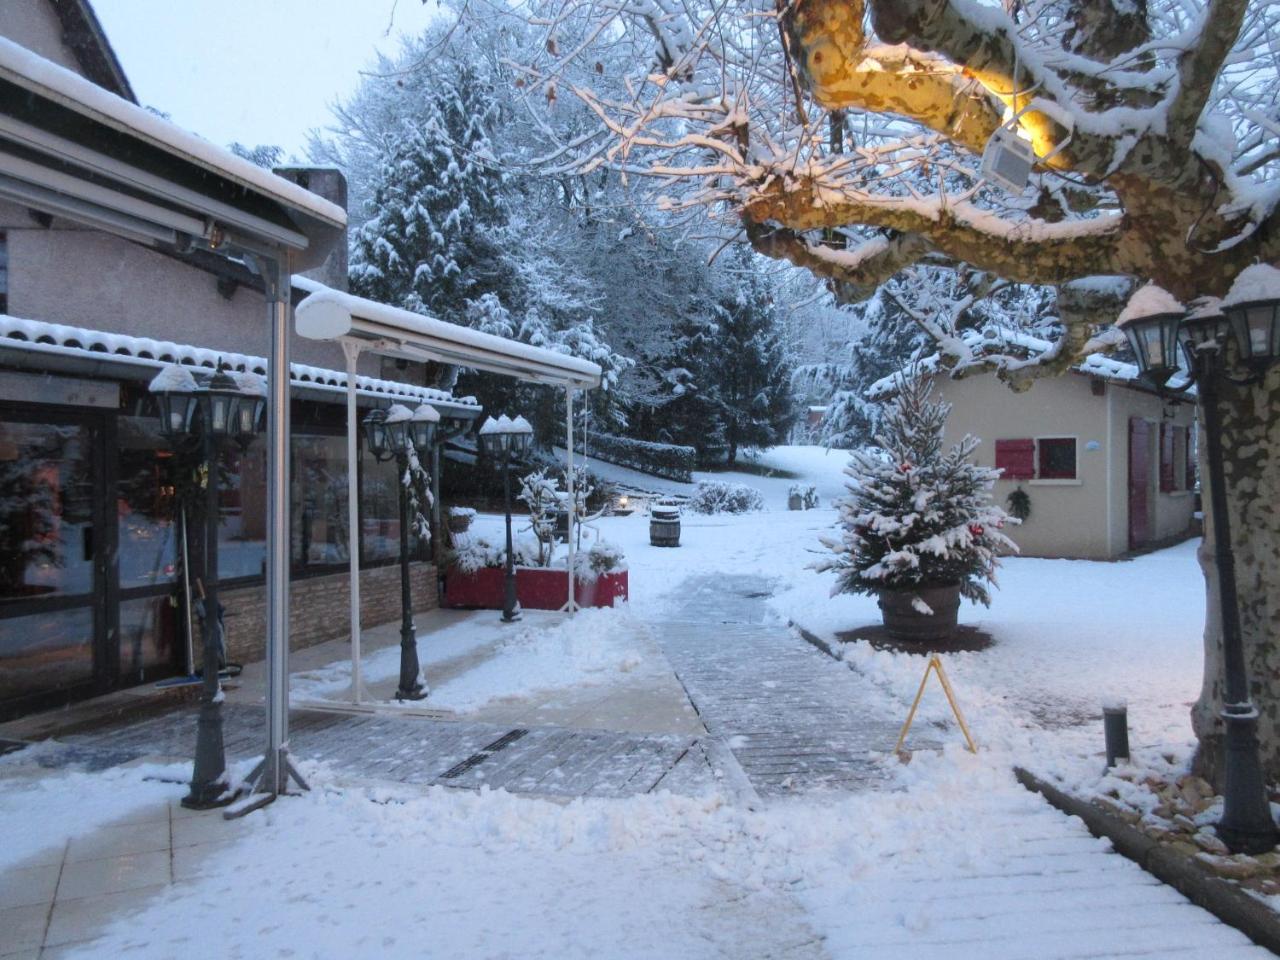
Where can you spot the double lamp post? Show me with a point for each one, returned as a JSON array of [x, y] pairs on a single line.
[[1253, 323], [212, 413]]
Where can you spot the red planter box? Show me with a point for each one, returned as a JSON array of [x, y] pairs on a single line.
[[537, 588]]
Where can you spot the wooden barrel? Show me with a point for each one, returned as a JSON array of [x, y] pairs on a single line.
[[664, 531]]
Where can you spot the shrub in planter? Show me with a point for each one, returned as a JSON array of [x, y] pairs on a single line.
[[718, 496], [460, 518], [601, 557], [802, 496], [918, 527]]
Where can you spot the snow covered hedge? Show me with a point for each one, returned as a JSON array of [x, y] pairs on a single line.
[[659, 459], [717, 496]]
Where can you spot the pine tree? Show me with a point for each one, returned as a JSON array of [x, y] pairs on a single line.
[[432, 242], [750, 369], [917, 516]]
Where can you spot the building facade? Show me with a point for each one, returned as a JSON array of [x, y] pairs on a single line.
[[94, 565]]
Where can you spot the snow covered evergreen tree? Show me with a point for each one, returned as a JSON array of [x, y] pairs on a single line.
[[432, 242], [917, 516]]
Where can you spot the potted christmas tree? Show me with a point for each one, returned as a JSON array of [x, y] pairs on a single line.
[[918, 528]]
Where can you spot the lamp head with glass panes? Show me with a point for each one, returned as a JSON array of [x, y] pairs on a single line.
[[505, 437], [1252, 307], [1151, 321], [176, 392], [422, 427]]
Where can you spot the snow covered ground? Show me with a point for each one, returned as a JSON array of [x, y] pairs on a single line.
[[953, 859]]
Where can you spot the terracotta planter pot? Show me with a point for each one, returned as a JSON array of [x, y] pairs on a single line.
[[904, 622], [458, 524]]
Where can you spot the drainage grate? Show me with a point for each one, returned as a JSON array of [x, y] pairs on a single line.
[[483, 754]]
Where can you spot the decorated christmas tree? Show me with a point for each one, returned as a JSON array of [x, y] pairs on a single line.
[[917, 516]]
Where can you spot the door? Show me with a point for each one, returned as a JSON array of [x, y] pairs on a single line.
[[1139, 481], [53, 609]]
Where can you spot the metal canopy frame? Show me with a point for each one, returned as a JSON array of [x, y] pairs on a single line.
[[359, 325], [158, 185]]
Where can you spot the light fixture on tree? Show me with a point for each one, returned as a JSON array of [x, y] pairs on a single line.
[[1008, 158], [502, 440], [1156, 324]]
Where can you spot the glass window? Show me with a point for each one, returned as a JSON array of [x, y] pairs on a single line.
[[4, 272], [145, 505], [46, 510], [148, 637], [45, 651], [242, 509], [319, 501], [379, 509], [1057, 458]]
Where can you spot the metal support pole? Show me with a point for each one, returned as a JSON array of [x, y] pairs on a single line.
[[1115, 728], [352, 350], [572, 605], [271, 777], [1246, 825], [437, 516], [209, 774], [509, 613], [411, 687]]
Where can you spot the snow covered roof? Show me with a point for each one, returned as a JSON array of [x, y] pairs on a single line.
[[995, 341], [57, 83], [148, 355], [327, 314]]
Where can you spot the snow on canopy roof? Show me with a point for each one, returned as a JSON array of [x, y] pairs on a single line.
[[48, 79], [1149, 301], [567, 367], [37, 336], [1258, 282]]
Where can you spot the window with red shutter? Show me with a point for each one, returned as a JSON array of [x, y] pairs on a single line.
[[1166, 458], [1017, 458]]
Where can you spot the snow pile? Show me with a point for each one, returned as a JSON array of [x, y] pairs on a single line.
[[1149, 301], [597, 646], [1258, 282]]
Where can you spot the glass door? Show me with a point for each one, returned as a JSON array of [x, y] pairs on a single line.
[[52, 573]]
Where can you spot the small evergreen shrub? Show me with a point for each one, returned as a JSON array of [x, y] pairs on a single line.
[[719, 496]]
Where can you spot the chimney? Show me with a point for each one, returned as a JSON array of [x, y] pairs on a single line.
[[329, 183]]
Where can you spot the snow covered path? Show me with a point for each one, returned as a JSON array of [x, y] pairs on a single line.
[[795, 720]]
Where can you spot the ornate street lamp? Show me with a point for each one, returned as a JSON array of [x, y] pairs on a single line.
[[394, 434], [501, 440], [211, 412], [1246, 825]]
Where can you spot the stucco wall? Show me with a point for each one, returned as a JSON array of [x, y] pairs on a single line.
[[86, 278], [34, 25], [1086, 517]]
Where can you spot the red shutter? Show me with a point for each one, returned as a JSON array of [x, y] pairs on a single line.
[[1166, 457], [1017, 458], [1191, 459]]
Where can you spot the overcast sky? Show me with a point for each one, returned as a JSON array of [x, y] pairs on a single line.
[[256, 71]]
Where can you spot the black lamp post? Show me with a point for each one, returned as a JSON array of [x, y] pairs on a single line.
[[395, 434], [214, 412], [501, 440], [1246, 825]]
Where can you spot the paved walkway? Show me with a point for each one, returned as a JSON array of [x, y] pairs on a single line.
[[789, 714]]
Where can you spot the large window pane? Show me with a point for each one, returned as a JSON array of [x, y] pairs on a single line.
[[149, 638], [380, 510], [242, 501], [46, 510], [319, 501], [46, 651], [145, 505]]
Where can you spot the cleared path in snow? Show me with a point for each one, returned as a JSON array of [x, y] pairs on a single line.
[[790, 715]]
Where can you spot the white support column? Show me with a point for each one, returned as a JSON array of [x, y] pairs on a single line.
[[572, 505], [351, 348]]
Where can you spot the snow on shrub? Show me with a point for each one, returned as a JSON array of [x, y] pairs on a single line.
[[717, 496], [807, 493], [659, 459], [475, 553], [602, 557], [916, 516]]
